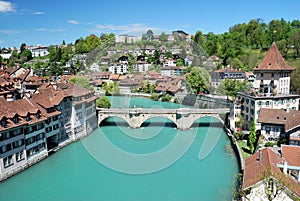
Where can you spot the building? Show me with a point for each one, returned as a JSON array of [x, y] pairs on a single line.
[[278, 123], [273, 76], [218, 76], [173, 70], [140, 66], [38, 51], [149, 49], [268, 174], [118, 68], [273, 73], [34, 126], [127, 39], [22, 136]]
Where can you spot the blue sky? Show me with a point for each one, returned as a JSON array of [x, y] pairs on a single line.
[[49, 22]]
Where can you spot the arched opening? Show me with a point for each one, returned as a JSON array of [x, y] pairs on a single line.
[[208, 121], [158, 121], [114, 121]]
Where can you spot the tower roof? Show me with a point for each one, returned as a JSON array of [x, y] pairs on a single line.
[[273, 60]]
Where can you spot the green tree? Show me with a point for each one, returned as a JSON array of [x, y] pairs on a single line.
[[81, 81], [198, 80], [295, 41], [25, 55], [103, 102], [252, 137], [91, 42], [22, 47], [180, 62], [163, 37], [150, 35], [199, 38], [230, 87], [111, 88]]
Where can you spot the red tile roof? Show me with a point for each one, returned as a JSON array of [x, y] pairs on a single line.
[[273, 60], [291, 154], [229, 70], [262, 165], [289, 119]]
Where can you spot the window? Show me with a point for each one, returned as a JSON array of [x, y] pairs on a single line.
[[3, 122], [7, 161], [28, 117], [272, 74], [261, 75], [19, 156], [259, 103], [78, 116], [37, 115], [16, 119]]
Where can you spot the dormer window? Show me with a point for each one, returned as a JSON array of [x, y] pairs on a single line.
[[3, 123], [28, 117], [16, 119], [37, 115]]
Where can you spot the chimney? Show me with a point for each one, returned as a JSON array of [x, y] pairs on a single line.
[[285, 168], [260, 155]]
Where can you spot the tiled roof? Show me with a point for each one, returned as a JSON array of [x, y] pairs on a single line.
[[18, 108], [262, 165], [229, 70], [291, 154], [12, 70], [273, 60], [289, 119]]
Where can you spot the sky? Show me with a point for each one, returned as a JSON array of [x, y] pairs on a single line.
[[50, 22]]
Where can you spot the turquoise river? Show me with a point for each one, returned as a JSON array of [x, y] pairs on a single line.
[[77, 172]]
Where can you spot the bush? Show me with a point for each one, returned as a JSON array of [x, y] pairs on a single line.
[[154, 96], [269, 144], [103, 102]]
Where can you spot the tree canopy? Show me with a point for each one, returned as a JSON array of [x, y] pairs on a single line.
[[103, 102], [198, 80], [81, 81]]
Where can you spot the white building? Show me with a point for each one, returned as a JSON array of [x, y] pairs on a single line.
[[273, 76], [118, 68]]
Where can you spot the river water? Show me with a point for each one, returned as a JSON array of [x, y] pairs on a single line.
[[115, 163]]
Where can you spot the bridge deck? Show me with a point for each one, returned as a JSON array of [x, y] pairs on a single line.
[[162, 111]]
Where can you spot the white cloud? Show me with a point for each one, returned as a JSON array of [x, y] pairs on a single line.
[[58, 30], [50, 30], [7, 31], [39, 13], [6, 7], [40, 29], [73, 22], [134, 29]]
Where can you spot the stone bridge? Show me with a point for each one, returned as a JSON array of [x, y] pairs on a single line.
[[182, 117]]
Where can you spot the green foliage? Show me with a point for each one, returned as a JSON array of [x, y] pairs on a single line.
[[154, 96], [252, 137], [230, 87], [270, 144], [166, 97], [239, 135], [103, 102], [111, 88], [81, 81], [150, 35], [180, 62], [198, 80], [163, 37], [295, 77]]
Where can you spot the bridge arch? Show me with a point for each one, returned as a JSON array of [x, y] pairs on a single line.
[[148, 117], [216, 117], [103, 117]]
